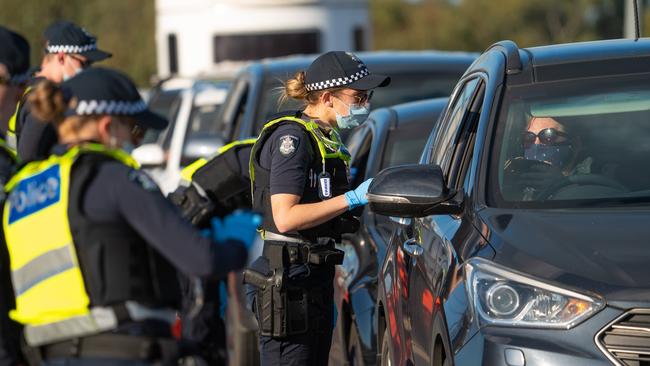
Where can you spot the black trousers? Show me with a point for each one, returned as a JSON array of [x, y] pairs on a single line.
[[311, 348]]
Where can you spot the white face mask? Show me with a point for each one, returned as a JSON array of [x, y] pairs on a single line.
[[67, 77]]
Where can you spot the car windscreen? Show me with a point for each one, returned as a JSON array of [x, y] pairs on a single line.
[[404, 144], [166, 104], [404, 87], [577, 143]]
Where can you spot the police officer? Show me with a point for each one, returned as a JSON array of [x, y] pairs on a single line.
[[92, 241], [14, 64], [299, 169], [210, 188], [69, 49]]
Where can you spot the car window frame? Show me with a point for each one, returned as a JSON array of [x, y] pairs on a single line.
[[443, 126]]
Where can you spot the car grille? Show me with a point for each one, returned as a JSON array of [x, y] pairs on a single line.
[[626, 341]]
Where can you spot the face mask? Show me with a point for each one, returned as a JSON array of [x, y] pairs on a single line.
[[357, 115], [557, 155], [67, 77], [126, 146]]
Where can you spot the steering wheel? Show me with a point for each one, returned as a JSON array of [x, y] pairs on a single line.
[[580, 179]]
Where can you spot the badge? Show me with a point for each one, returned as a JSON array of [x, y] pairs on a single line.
[[324, 185], [288, 145], [143, 180]]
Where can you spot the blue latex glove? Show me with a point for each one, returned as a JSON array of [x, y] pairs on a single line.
[[240, 225], [357, 197]]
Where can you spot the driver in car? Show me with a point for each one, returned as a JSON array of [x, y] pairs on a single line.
[[550, 154]]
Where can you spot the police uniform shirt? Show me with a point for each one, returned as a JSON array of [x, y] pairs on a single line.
[[118, 193], [287, 154]]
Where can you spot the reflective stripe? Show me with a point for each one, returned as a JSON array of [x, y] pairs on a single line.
[[11, 125], [41, 268], [99, 319]]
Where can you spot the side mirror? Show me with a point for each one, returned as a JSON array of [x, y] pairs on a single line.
[[200, 147], [149, 155], [412, 191]]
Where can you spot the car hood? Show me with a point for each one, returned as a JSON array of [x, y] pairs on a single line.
[[601, 251]]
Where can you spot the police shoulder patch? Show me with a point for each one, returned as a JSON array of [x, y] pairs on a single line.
[[144, 180], [288, 145]]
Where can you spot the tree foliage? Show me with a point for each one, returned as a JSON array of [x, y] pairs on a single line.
[[123, 27], [475, 24]]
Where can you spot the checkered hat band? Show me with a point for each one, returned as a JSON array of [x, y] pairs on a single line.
[[71, 48], [334, 83], [86, 107]]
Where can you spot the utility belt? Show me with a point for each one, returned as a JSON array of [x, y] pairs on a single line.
[[284, 308], [109, 346], [283, 251]]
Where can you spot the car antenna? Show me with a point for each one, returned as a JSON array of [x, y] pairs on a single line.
[[637, 27]]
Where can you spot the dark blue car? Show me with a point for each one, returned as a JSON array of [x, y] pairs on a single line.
[[523, 236]]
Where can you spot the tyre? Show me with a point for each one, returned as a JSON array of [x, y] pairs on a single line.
[[386, 356]]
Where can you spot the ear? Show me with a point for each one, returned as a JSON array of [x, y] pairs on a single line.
[[326, 99], [104, 128], [60, 58]]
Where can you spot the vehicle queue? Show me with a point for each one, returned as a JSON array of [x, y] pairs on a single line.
[[499, 247]]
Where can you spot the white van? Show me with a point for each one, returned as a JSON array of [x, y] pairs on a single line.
[[198, 36]]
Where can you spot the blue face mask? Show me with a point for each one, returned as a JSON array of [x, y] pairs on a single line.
[[358, 114], [557, 155]]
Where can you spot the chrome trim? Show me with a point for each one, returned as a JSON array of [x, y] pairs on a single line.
[[380, 198], [628, 327], [599, 344]]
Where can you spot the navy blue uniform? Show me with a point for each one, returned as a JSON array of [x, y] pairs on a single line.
[[35, 138], [290, 174], [119, 193]]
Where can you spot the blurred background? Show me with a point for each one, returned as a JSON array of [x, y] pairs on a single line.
[[191, 37]]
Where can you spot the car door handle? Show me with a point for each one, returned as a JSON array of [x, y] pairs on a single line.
[[413, 248]]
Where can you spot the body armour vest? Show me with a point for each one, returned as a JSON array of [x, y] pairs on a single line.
[[328, 155], [72, 276]]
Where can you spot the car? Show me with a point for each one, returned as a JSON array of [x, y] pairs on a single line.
[[490, 265], [391, 136], [191, 105], [415, 75]]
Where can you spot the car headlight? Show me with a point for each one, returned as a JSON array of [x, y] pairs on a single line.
[[501, 296]]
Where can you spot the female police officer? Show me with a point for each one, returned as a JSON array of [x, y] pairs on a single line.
[[300, 181], [91, 239]]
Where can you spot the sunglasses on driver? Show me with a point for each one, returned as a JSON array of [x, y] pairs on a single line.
[[547, 136]]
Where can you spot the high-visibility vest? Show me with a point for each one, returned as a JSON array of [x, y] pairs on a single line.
[[11, 128], [188, 171], [51, 297]]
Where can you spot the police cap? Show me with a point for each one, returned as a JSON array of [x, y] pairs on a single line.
[[100, 90], [14, 54], [67, 37], [336, 69]]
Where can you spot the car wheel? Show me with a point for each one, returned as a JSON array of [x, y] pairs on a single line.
[[355, 354], [386, 356]]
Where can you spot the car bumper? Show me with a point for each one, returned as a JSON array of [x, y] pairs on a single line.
[[532, 347]]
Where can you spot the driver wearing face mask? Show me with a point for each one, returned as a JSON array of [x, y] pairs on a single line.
[[555, 153], [69, 49]]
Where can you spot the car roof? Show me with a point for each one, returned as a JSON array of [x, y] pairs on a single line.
[[572, 60], [588, 51], [384, 60]]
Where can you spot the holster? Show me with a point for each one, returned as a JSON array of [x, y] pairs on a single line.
[[282, 307]]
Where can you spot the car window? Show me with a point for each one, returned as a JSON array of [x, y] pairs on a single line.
[[167, 104], [270, 99], [239, 112], [404, 144], [451, 124], [574, 143], [359, 143]]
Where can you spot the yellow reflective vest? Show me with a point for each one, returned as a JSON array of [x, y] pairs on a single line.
[[188, 172], [11, 130], [51, 298]]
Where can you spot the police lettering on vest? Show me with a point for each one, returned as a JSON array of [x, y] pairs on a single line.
[[55, 270]]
